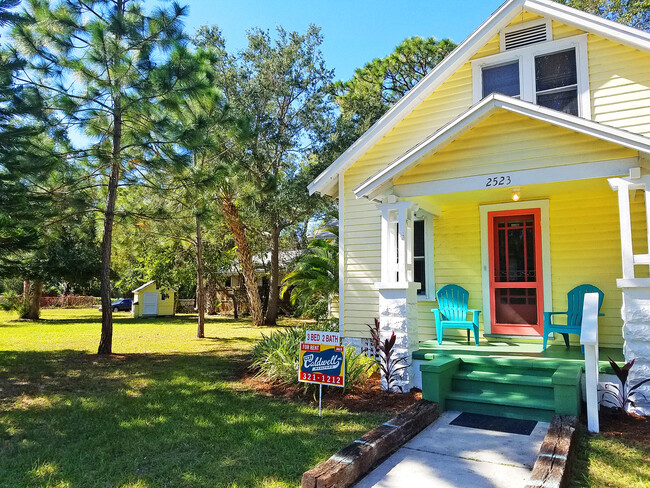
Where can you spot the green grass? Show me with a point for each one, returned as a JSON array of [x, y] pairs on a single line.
[[606, 461], [168, 410]]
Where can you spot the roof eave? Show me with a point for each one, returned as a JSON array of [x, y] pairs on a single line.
[[381, 180], [465, 50]]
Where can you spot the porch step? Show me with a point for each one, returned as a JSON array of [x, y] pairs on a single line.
[[519, 406], [503, 383]]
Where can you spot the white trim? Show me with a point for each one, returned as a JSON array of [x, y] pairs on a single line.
[[341, 257], [325, 182], [526, 25], [526, 57], [483, 109], [429, 263], [543, 205], [554, 174]]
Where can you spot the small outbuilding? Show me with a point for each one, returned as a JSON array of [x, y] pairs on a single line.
[[151, 301]]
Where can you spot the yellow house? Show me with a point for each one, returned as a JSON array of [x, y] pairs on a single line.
[[151, 301], [518, 168]]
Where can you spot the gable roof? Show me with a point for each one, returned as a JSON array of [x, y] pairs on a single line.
[[142, 287], [325, 183], [479, 112]]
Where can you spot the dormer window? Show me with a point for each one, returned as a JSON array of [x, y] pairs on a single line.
[[556, 81], [502, 78], [552, 74]]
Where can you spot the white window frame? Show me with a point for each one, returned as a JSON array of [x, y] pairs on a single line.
[[526, 57], [525, 25], [429, 268]]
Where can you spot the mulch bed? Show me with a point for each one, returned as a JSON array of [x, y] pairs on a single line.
[[614, 424], [368, 398]]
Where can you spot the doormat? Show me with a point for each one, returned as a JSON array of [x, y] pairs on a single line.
[[490, 422]]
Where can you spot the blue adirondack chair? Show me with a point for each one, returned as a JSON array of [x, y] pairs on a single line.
[[573, 324], [452, 311]]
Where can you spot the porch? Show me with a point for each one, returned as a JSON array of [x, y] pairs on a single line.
[[505, 377]]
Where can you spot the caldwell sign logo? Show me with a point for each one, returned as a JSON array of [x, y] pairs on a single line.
[[322, 363]]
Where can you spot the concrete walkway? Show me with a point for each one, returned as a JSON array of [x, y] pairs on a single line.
[[444, 455]]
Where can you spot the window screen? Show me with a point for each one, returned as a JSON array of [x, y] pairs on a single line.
[[556, 81], [502, 79]]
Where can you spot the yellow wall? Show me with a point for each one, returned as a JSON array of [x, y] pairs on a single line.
[[507, 141], [585, 248], [165, 307], [620, 96]]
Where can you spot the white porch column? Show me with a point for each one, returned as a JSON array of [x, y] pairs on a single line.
[[397, 291], [636, 291]]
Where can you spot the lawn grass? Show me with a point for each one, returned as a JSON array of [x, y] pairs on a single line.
[[168, 410], [613, 462]]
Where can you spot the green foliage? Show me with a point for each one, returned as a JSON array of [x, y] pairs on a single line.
[[624, 395], [314, 279], [379, 84], [635, 13], [276, 358]]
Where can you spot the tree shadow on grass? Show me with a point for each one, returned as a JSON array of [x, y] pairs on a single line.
[[161, 420]]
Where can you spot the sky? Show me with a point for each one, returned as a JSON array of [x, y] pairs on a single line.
[[355, 32]]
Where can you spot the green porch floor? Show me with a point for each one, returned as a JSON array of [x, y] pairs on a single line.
[[504, 348]]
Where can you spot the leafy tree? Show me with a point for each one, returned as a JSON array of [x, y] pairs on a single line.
[[635, 13], [374, 88], [279, 85], [102, 65], [314, 279]]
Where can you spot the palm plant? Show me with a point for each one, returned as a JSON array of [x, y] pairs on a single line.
[[314, 280]]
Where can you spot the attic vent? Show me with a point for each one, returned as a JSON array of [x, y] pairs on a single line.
[[523, 37]]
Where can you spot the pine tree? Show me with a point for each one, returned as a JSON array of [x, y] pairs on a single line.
[[101, 65]]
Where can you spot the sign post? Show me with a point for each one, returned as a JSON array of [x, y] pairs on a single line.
[[322, 363]]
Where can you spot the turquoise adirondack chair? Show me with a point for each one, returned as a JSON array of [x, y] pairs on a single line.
[[576, 298], [452, 311]]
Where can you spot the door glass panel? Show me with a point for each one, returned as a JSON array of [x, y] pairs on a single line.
[[515, 246], [516, 306]]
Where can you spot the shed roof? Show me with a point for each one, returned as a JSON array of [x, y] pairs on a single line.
[[142, 287]]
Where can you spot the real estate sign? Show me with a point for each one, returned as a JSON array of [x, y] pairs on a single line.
[[322, 337], [322, 364]]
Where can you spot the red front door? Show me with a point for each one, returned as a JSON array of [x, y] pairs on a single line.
[[516, 301]]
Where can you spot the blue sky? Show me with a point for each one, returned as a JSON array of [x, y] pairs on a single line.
[[354, 32]]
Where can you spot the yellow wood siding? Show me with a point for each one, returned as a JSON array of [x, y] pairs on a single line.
[[619, 81], [506, 141]]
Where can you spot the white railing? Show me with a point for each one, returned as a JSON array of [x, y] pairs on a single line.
[[589, 340]]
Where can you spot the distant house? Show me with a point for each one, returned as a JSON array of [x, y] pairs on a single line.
[[232, 298], [151, 301]]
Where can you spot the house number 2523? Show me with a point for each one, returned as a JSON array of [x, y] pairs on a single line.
[[501, 180]]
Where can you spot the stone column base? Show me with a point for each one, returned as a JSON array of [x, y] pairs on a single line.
[[636, 332], [398, 313]]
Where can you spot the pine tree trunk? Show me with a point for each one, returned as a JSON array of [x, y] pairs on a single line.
[[274, 284], [200, 289], [106, 340], [245, 260]]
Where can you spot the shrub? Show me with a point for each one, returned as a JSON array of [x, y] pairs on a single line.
[[276, 358]]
